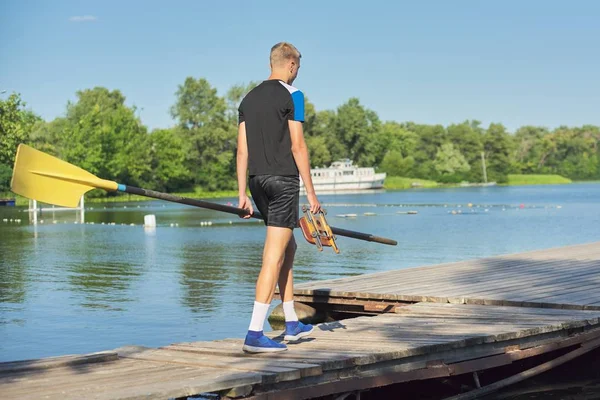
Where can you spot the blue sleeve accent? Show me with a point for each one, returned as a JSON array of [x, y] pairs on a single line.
[[121, 188], [298, 99]]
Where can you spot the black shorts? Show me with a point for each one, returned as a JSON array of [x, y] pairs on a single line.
[[277, 198]]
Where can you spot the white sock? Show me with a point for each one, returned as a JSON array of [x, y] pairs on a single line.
[[259, 314], [289, 312]]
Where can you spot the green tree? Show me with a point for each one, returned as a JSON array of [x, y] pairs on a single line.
[[197, 104], [430, 138], [393, 137], [5, 177], [323, 126], [528, 148], [498, 147], [49, 137], [467, 137], [234, 97], [208, 137], [355, 127], [395, 165], [169, 171], [318, 150], [102, 135], [16, 123], [450, 163]]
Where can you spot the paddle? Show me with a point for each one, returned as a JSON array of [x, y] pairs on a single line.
[[47, 179]]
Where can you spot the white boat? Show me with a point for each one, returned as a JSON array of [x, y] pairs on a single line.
[[343, 176]]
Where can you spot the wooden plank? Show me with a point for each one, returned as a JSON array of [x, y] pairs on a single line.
[[422, 278], [53, 362], [458, 286], [148, 381], [273, 370], [459, 267], [573, 252]]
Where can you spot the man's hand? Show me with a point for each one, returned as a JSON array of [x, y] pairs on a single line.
[[315, 206], [246, 204]]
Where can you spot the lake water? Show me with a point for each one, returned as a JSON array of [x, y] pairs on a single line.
[[77, 288]]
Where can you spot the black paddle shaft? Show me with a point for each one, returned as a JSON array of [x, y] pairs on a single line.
[[241, 212]]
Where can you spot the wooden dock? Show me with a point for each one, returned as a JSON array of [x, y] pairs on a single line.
[[422, 323], [564, 278]]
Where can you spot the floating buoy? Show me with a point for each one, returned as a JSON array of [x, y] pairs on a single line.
[[470, 205], [346, 215], [150, 220]]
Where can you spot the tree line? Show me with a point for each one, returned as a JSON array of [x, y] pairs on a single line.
[[101, 134]]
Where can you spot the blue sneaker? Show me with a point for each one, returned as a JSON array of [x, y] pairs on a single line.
[[257, 342], [296, 330]]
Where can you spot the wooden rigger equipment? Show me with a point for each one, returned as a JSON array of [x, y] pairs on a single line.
[[316, 230]]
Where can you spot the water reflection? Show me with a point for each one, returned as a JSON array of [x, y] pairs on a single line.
[[204, 273], [15, 245], [103, 286]]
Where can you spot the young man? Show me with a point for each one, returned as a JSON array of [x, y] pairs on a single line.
[[271, 148]]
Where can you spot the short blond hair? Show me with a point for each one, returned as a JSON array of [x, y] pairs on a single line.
[[282, 52]]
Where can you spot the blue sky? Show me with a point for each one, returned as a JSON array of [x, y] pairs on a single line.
[[514, 62]]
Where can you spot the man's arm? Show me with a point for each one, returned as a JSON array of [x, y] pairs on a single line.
[[300, 153], [242, 169]]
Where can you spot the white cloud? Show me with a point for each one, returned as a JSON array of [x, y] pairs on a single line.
[[83, 18]]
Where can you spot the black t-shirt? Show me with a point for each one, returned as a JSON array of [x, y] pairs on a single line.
[[266, 110]]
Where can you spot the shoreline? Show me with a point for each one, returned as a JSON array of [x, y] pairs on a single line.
[[22, 201]]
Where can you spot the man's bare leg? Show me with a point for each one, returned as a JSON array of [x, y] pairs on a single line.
[[294, 329], [274, 252], [276, 243], [286, 278]]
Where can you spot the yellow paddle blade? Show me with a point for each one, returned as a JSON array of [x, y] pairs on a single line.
[[42, 177]]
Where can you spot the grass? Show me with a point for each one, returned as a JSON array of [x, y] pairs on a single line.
[[192, 195], [23, 201], [400, 182], [521, 179]]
